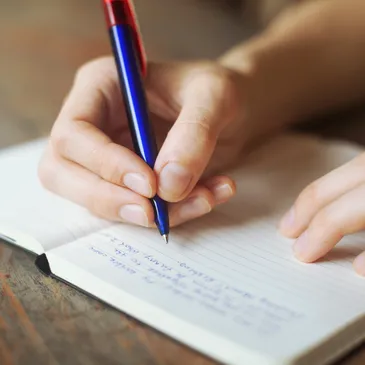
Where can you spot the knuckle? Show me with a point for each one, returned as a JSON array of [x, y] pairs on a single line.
[[205, 127], [360, 160], [203, 131], [59, 140], [108, 167], [310, 196], [97, 199], [89, 66], [326, 221], [219, 77], [96, 70], [200, 116], [223, 88], [84, 70]]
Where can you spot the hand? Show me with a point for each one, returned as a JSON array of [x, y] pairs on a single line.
[[89, 158], [326, 211]]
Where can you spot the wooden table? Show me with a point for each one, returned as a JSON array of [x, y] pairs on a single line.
[[43, 321]]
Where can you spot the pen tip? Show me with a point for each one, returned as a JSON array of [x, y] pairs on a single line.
[[166, 238]]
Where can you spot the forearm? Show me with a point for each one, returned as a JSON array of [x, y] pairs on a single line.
[[309, 61]]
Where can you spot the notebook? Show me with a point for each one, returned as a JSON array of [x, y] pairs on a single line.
[[227, 284]]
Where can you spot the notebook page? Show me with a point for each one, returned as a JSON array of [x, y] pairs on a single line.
[[227, 284], [37, 219]]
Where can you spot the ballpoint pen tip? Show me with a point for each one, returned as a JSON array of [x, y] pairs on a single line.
[[166, 238]]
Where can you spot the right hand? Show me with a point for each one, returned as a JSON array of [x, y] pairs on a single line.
[[89, 158]]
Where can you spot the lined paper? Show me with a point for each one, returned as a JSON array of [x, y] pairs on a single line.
[[230, 274], [245, 288]]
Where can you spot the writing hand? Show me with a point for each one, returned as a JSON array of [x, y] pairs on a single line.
[[196, 111]]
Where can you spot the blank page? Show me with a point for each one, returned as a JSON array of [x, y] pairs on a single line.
[[33, 217], [227, 284]]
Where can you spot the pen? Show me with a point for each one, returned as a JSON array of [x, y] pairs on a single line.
[[131, 65]]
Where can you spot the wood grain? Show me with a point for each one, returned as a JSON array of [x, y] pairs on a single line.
[[42, 321]]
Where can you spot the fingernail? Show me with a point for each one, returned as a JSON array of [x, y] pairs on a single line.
[[301, 246], [193, 208], [138, 183], [287, 223], [174, 179], [359, 264], [133, 214], [222, 192]]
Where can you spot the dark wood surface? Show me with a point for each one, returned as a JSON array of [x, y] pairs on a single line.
[[43, 321]]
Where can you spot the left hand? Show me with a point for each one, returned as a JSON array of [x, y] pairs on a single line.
[[327, 210]]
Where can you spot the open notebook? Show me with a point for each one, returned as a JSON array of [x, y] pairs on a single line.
[[227, 284]]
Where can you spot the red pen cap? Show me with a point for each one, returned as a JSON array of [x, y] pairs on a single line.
[[119, 12]]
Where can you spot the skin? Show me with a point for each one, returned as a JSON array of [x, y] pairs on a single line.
[[307, 62]]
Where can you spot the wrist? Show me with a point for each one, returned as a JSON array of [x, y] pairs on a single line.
[[308, 62], [265, 102]]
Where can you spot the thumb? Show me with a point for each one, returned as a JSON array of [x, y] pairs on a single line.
[[192, 139]]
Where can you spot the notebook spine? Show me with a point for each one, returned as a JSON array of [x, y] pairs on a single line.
[[42, 264]]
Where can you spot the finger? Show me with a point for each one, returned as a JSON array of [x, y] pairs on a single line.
[[359, 264], [321, 193], [344, 216], [199, 203], [192, 139], [202, 200], [223, 188], [88, 147], [86, 189], [77, 136]]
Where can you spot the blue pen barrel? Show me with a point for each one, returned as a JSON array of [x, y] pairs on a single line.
[[131, 81], [134, 95]]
